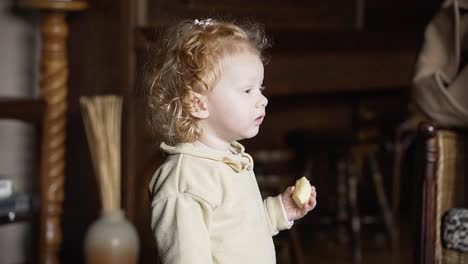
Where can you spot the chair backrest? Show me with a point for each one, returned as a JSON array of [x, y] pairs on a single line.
[[443, 187]]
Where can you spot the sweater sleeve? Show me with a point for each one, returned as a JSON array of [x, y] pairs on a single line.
[[275, 215], [180, 226]]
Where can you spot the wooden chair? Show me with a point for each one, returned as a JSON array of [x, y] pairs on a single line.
[[354, 155], [442, 174]]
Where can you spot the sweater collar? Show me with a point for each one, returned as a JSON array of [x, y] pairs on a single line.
[[237, 159]]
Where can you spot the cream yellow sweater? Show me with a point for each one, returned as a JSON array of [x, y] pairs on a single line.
[[206, 208]]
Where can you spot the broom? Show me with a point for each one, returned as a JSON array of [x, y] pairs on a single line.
[[102, 120]]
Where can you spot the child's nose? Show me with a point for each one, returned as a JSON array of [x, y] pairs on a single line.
[[262, 102]]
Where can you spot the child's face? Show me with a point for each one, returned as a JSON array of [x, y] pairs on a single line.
[[236, 105]]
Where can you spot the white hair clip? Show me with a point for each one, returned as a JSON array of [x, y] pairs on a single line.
[[203, 23]]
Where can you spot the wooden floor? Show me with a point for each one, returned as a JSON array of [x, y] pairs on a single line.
[[323, 247], [318, 253]]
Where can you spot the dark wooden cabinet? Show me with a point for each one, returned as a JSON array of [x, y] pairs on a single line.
[[331, 15]]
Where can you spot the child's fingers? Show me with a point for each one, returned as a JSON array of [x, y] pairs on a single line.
[[313, 195], [308, 207], [290, 190], [312, 198], [312, 201]]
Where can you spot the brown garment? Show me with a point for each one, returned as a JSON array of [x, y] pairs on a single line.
[[440, 84]]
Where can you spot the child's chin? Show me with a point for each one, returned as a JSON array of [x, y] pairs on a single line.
[[251, 134]]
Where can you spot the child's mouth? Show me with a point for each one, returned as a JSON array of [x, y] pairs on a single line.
[[259, 120]]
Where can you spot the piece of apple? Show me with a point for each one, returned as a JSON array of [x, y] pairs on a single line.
[[302, 192]]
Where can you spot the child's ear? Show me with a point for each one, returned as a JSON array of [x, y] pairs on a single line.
[[199, 109]]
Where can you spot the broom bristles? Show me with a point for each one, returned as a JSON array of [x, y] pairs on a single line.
[[102, 116]]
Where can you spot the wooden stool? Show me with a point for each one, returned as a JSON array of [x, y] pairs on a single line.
[[352, 158]]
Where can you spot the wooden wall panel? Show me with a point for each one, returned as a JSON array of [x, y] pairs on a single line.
[[317, 15], [318, 117], [327, 72]]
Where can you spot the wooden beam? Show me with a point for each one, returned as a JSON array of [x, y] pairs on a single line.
[[28, 110]]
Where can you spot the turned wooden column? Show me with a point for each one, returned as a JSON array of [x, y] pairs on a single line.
[[53, 85]]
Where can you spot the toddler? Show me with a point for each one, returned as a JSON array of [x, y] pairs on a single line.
[[204, 94]]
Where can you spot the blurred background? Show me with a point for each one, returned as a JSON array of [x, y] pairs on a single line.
[[338, 81]]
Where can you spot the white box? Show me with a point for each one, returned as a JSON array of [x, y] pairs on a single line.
[[6, 188]]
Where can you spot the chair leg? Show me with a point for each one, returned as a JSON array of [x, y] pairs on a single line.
[[355, 222], [382, 199], [341, 207]]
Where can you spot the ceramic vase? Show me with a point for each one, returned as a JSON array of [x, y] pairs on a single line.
[[111, 239]]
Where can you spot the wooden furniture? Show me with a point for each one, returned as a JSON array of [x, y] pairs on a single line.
[[363, 157], [442, 159], [30, 111], [353, 162], [49, 114], [23, 206], [27, 110]]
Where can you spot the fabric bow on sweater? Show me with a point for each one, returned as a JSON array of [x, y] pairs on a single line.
[[238, 160]]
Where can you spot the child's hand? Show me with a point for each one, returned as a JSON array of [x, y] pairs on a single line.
[[292, 210]]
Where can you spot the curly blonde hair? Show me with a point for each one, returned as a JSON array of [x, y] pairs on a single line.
[[186, 61]]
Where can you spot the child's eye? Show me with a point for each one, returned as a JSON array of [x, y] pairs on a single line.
[[248, 91], [262, 88]]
